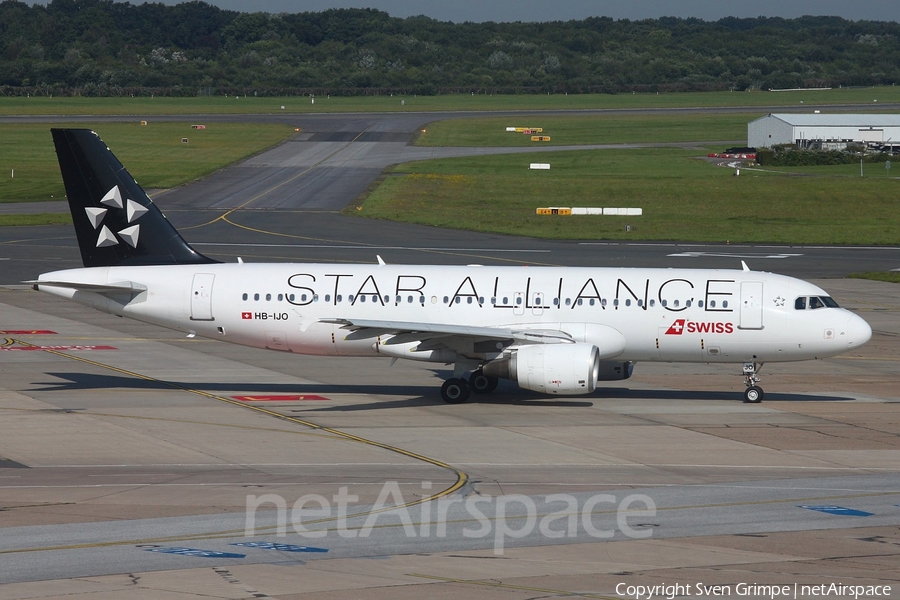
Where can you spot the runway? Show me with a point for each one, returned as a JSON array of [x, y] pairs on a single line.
[[129, 455]]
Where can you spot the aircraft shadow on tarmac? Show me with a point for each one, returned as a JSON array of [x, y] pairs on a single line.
[[416, 395]]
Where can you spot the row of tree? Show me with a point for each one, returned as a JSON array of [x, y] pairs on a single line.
[[102, 47]]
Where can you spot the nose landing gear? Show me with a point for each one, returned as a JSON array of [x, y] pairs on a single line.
[[753, 394]]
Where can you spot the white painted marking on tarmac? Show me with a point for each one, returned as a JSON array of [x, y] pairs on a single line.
[[774, 246], [732, 255], [353, 247], [231, 466], [479, 464], [209, 484]]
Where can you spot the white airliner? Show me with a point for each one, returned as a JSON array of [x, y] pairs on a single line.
[[555, 330]]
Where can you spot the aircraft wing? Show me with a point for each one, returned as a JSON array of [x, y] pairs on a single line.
[[409, 331]]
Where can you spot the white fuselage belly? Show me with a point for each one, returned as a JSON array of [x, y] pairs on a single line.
[[678, 315]]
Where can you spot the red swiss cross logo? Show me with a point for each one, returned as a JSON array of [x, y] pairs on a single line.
[[246, 315], [676, 328]]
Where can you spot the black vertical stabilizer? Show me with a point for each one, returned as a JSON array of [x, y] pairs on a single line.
[[115, 221]]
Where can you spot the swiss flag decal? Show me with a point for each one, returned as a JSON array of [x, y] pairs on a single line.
[[676, 328], [246, 315]]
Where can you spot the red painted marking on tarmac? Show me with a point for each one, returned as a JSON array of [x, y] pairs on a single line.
[[27, 332], [280, 398], [27, 348]]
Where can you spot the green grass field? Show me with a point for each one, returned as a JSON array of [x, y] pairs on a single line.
[[888, 276], [683, 198], [600, 129], [142, 106], [153, 154]]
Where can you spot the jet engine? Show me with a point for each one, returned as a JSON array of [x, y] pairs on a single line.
[[563, 369]]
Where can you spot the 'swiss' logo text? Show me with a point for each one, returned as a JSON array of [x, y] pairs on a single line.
[[680, 326]]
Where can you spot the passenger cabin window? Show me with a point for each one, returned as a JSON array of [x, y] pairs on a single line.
[[245, 296]]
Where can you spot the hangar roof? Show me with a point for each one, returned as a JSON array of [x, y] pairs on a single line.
[[843, 120]]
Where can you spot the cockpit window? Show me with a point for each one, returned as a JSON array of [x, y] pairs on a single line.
[[814, 302]]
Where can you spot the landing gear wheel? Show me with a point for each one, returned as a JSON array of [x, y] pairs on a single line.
[[753, 394], [455, 391], [481, 383]]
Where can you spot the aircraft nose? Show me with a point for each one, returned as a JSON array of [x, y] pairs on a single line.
[[858, 331]]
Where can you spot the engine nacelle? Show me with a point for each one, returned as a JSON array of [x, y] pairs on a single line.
[[614, 370], [563, 369]]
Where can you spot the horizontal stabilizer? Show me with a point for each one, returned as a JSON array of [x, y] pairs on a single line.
[[98, 288]]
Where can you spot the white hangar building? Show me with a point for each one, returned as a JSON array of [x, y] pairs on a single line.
[[831, 132]]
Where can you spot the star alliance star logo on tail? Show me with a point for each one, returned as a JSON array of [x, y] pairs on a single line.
[[133, 212]]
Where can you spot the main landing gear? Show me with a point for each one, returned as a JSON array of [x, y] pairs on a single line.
[[753, 394], [456, 389]]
